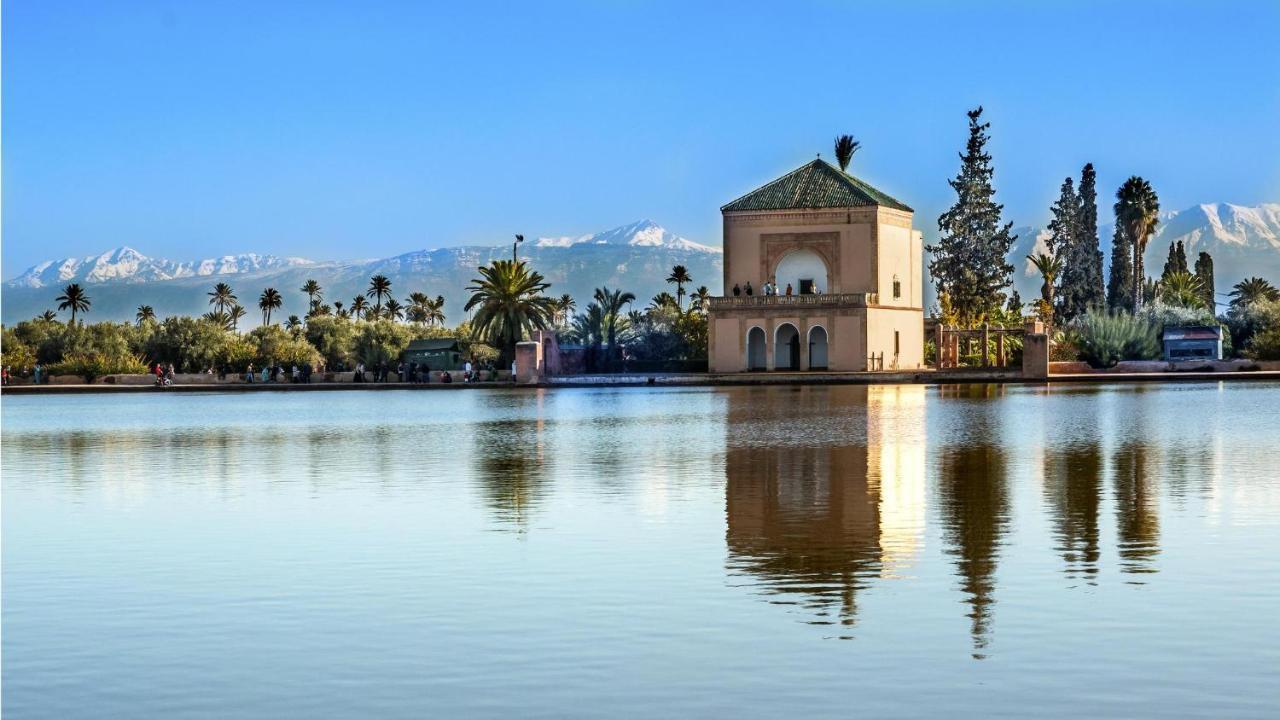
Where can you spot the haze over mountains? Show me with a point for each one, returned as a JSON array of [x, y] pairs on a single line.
[[637, 257], [1244, 241]]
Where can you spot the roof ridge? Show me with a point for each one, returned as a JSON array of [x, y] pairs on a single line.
[[816, 184]]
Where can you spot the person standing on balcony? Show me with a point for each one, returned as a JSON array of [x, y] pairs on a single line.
[[748, 290], [788, 289], [736, 290]]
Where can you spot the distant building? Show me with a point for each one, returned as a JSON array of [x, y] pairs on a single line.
[[435, 353], [1195, 342], [854, 266]]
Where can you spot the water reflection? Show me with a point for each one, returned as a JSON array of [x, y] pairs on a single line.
[[1137, 518], [814, 518], [511, 459], [1073, 490]]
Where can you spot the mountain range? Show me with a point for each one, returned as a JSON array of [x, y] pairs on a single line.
[[636, 257], [1244, 241]]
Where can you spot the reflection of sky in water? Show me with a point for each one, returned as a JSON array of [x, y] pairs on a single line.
[[638, 551]]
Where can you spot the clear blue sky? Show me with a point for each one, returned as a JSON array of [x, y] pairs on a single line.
[[341, 130]]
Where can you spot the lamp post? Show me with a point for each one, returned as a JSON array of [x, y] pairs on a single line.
[[519, 239]]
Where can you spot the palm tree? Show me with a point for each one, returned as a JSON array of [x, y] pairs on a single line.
[[679, 275], [699, 299], [268, 301], [379, 287], [358, 306], [337, 308], [1251, 291], [846, 146], [394, 311], [612, 302], [236, 312], [435, 311], [588, 330], [662, 301], [565, 307], [1182, 289], [48, 316], [1137, 211], [293, 323], [321, 310], [73, 297], [221, 297], [219, 318], [509, 301], [145, 313], [1050, 266], [314, 294]]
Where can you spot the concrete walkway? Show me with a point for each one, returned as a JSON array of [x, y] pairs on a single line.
[[918, 377]]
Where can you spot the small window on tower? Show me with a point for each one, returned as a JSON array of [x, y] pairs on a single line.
[[897, 287]]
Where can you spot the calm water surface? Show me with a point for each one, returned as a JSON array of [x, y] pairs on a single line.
[[755, 552]]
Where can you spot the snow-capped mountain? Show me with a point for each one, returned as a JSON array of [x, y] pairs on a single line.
[[124, 264], [1243, 241], [644, 233], [636, 257]]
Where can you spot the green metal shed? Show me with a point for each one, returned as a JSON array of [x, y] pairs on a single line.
[[437, 353]]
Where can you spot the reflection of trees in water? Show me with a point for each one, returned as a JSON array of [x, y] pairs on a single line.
[[1073, 490], [973, 498], [508, 462], [805, 523], [1137, 516]]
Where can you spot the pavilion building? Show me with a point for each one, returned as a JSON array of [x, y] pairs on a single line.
[[852, 262]]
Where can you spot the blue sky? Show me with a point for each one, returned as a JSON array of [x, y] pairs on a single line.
[[342, 130]]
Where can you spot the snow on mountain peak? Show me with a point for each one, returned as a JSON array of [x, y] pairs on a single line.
[[642, 233]]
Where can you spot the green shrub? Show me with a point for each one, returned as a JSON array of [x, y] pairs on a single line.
[[1264, 345], [94, 365], [1107, 338], [16, 355]]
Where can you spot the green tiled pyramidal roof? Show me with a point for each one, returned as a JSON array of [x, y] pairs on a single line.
[[814, 185]]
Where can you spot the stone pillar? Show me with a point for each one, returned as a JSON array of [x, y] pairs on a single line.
[[986, 338], [528, 363], [941, 352], [1035, 351]]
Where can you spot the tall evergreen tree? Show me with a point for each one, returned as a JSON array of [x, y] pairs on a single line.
[[1176, 262], [1064, 236], [1090, 288], [1204, 271], [1120, 288], [1137, 210], [969, 261]]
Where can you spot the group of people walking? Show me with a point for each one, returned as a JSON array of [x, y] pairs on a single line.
[[275, 373]]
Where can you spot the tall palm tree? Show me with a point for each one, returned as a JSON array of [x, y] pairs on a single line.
[[679, 275], [435, 311], [1183, 290], [698, 299], [236, 312], [337, 308], [662, 301], [314, 294], [588, 330], [358, 306], [1049, 266], [565, 307], [73, 297], [394, 310], [1137, 210], [221, 297], [268, 301], [145, 313], [293, 322], [48, 316], [612, 303], [509, 303], [1251, 291], [846, 146], [379, 287]]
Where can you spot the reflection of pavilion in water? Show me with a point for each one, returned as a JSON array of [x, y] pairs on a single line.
[[814, 523]]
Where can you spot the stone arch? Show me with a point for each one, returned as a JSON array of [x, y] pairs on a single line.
[[757, 354], [786, 347], [801, 265], [818, 348]]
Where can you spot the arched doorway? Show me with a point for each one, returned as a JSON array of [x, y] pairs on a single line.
[[804, 270], [786, 348], [755, 349], [817, 348]]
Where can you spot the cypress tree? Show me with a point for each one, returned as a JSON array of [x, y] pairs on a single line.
[[1064, 239], [1170, 264], [1204, 271], [1091, 288], [1182, 258], [1015, 303], [969, 261], [1120, 284]]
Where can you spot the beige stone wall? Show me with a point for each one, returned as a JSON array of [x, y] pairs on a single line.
[[844, 328], [900, 255], [727, 346], [848, 342], [882, 322], [755, 243]]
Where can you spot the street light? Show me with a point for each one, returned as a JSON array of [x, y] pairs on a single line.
[[519, 239]]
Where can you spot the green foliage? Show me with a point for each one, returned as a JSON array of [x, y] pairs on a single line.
[[73, 298], [383, 341], [1204, 271], [1182, 289], [1120, 283], [1176, 262], [969, 260], [509, 303], [1137, 211], [1107, 338], [846, 146], [16, 355], [1264, 345], [1247, 320], [191, 345], [97, 364], [277, 345]]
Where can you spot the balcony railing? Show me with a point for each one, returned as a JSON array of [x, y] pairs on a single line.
[[767, 301]]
